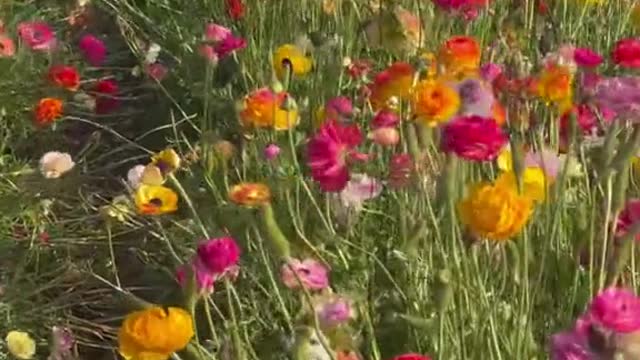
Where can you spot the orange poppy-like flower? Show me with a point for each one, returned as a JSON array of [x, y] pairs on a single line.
[[250, 194], [47, 111], [395, 81], [66, 77], [555, 85], [434, 102], [460, 54], [499, 113], [263, 108]]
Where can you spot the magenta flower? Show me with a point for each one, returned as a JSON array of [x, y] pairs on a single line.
[[586, 118], [466, 8], [339, 108], [204, 278], [309, 273], [219, 255], [570, 346], [93, 49], [220, 42], [491, 71], [473, 138], [586, 57], [271, 151], [626, 53], [62, 343], [385, 118], [629, 216], [616, 309], [328, 152], [334, 310], [38, 35]]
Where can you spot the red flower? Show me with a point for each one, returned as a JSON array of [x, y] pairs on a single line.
[[474, 138], [586, 118], [626, 53], [411, 356], [106, 90], [235, 9], [66, 77], [628, 217]]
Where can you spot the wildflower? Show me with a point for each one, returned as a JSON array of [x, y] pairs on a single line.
[[47, 111], [223, 42], [359, 189], [219, 255], [397, 31], [339, 108], [167, 160], [434, 102], [106, 91], [55, 164], [401, 169], [7, 47], [235, 9], [555, 85], [333, 310], [155, 200], [385, 136], [628, 217], [616, 309], [264, 108], [412, 356], [154, 333], [395, 81], [328, 151], [309, 273], [586, 57], [20, 344], [570, 346], [93, 49], [473, 138], [289, 57], [476, 97], [66, 77], [37, 35], [271, 151], [460, 54], [250, 194], [626, 53], [534, 183], [494, 211], [384, 119], [204, 278], [140, 174]]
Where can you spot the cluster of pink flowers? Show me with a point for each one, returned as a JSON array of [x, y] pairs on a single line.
[[215, 259], [220, 42]]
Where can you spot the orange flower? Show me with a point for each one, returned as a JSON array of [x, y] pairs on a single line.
[[499, 113], [460, 54], [395, 81], [250, 194], [66, 77], [47, 111], [264, 108], [434, 102], [7, 47], [555, 85]]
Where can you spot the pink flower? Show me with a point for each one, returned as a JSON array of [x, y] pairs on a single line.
[[334, 310], [222, 42], [616, 309], [570, 346], [216, 33], [106, 91], [219, 255], [586, 57], [626, 53], [209, 53], [411, 356], [7, 47], [385, 136], [586, 118], [628, 217], [468, 9], [328, 152], [547, 160], [204, 278], [401, 169], [93, 49], [360, 189], [312, 274], [490, 71], [385, 118], [339, 108], [271, 151], [229, 44], [473, 138], [38, 35], [156, 71]]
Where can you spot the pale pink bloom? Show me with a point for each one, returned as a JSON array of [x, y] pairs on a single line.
[[386, 136], [616, 309], [209, 53], [55, 164], [570, 346], [215, 32], [334, 310], [309, 273], [476, 97], [134, 176], [93, 49], [359, 189], [38, 35], [221, 43], [547, 160]]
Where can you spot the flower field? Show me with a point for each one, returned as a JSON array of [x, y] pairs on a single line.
[[319, 179]]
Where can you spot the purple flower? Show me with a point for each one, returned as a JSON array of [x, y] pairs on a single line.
[[619, 94], [309, 273], [476, 98], [616, 309], [218, 255]]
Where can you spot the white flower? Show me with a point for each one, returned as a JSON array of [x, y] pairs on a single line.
[[135, 175], [152, 53], [54, 164], [360, 188]]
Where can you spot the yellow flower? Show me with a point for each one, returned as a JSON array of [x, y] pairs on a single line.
[[263, 108], [155, 200], [434, 102], [152, 175], [20, 344], [155, 333], [166, 160], [290, 55], [534, 182], [495, 211], [555, 85], [250, 194], [505, 160]]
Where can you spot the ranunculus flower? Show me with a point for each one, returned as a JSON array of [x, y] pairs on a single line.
[[93, 49], [203, 277], [339, 108], [460, 54], [155, 333], [55, 164], [466, 8], [222, 41], [547, 160], [628, 217], [105, 94], [394, 81], [67, 77], [491, 71], [264, 108], [167, 160], [586, 119], [47, 111], [309, 273], [626, 53], [473, 138], [359, 189], [328, 152], [7, 47], [219, 255], [250, 194], [386, 136], [156, 71], [586, 57], [155, 200], [616, 309], [333, 310], [476, 97], [434, 102], [555, 85], [235, 9], [38, 35], [271, 151], [620, 95], [385, 118]]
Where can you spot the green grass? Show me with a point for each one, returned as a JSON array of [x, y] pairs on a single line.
[[500, 301]]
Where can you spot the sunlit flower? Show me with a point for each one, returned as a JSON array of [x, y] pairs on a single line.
[[155, 200], [309, 273], [220, 42], [547, 160], [93, 49], [397, 31], [328, 152], [47, 111], [359, 189], [167, 160], [55, 164], [250, 194], [626, 53], [473, 138], [20, 344], [263, 108], [495, 211], [66, 77], [289, 57], [555, 85], [219, 255], [7, 47], [105, 94], [140, 174], [434, 102], [154, 333], [38, 35], [395, 81], [460, 54]]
